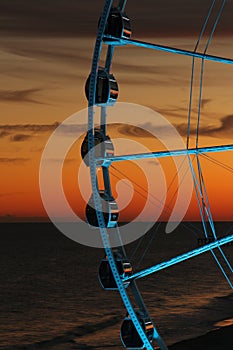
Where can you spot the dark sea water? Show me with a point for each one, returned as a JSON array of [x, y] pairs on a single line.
[[50, 297]]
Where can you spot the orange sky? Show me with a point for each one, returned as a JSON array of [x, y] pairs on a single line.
[[42, 84]]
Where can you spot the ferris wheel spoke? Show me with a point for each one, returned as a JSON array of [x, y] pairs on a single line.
[[180, 258], [199, 102], [205, 24], [122, 4], [193, 72], [170, 153], [190, 100], [219, 13], [111, 40], [202, 67]]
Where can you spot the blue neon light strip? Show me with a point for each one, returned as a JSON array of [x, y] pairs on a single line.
[[180, 258], [171, 153], [116, 41]]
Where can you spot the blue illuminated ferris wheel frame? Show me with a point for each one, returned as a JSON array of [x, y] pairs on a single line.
[[197, 178]]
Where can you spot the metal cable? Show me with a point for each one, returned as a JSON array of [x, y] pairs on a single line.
[[193, 70], [217, 162], [215, 25]]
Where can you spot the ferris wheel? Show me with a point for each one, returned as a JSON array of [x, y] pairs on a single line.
[[116, 272]]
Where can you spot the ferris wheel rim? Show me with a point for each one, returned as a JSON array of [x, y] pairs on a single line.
[[92, 165]]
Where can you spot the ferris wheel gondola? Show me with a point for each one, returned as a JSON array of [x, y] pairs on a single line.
[[103, 147], [118, 24], [106, 277], [109, 209], [106, 88], [129, 334]]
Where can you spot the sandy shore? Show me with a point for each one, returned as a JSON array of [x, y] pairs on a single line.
[[219, 339]]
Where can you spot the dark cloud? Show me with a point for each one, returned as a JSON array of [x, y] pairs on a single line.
[[57, 51], [20, 137], [132, 130], [180, 112], [3, 134], [149, 80], [205, 101], [180, 17], [171, 111], [19, 95], [23, 132], [50, 17], [73, 129], [60, 160], [13, 160], [61, 17], [145, 130], [139, 65], [223, 131], [12, 128]]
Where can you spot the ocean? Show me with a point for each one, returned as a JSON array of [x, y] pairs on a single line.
[[50, 296]]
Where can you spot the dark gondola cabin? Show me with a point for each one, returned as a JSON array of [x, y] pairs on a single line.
[[106, 278], [118, 25], [104, 147], [129, 335], [106, 88], [109, 209]]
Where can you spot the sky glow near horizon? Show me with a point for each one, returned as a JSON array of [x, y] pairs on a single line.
[[43, 80]]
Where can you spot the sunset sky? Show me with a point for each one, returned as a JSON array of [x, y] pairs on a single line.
[[45, 57]]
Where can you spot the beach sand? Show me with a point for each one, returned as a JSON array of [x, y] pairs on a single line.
[[219, 339]]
